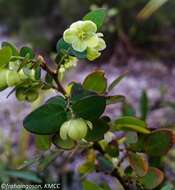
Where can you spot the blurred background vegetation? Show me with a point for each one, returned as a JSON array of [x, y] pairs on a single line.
[[133, 29], [42, 23]]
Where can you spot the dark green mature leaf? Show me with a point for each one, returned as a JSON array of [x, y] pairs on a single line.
[[43, 142], [5, 55], [152, 179], [159, 142], [26, 175], [116, 82], [138, 163], [45, 120], [144, 105], [27, 51], [87, 185], [58, 100], [90, 107], [131, 124], [100, 127], [98, 17], [13, 48], [62, 46], [96, 81], [37, 73], [78, 92]]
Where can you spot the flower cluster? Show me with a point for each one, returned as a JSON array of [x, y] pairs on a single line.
[[83, 36], [68, 62]]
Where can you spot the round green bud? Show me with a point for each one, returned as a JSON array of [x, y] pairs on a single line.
[[75, 129], [20, 94], [3, 81], [32, 95]]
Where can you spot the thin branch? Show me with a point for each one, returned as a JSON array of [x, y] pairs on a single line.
[[53, 73]]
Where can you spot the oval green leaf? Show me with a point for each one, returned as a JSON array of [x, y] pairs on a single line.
[[45, 120], [131, 124]]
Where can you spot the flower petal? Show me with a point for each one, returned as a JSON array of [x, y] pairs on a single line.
[[101, 44], [89, 26], [79, 45], [92, 41], [76, 25], [69, 36]]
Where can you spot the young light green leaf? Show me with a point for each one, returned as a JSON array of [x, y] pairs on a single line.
[[98, 17], [5, 55], [116, 81], [115, 99], [96, 81], [131, 124]]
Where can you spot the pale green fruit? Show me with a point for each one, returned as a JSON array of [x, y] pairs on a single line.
[[20, 94], [32, 95], [27, 74], [3, 81], [12, 78], [75, 129]]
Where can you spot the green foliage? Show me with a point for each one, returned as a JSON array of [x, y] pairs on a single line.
[[97, 16], [74, 121], [96, 81]]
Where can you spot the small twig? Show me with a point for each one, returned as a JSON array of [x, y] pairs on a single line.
[[54, 74]]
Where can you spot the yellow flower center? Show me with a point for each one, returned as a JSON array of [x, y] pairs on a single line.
[[82, 35]]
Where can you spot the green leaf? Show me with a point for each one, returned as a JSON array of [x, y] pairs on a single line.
[[90, 107], [131, 124], [63, 47], [115, 99], [45, 120], [86, 168], [42, 142], [78, 92], [13, 48], [144, 105], [127, 109], [26, 175], [96, 81], [5, 55], [105, 186], [27, 52], [159, 142], [57, 100], [152, 179], [112, 149], [138, 163], [116, 82], [37, 73], [88, 185], [98, 17], [100, 127], [63, 144]]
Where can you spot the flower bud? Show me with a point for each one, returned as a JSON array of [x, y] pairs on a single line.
[[32, 95], [20, 94], [75, 129]]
